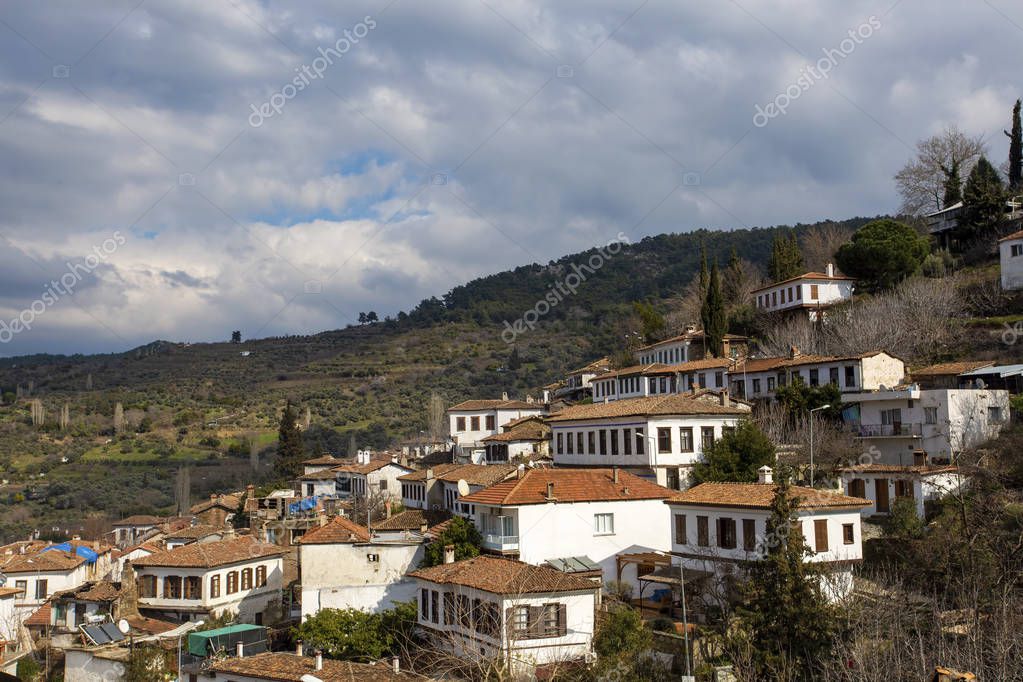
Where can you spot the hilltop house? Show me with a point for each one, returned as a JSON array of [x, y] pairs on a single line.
[[949, 374], [323, 482], [549, 514], [759, 378], [217, 511], [717, 529], [134, 529], [321, 463], [240, 577], [345, 566], [576, 385], [369, 477], [687, 347], [437, 487], [1010, 254], [811, 292], [471, 421], [509, 613], [640, 381], [525, 438], [660, 437], [882, 484], [39, 570]]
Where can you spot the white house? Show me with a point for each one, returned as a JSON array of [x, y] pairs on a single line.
[[687, 347], [280, 666], [344, 566], [577, 382], [882, 484], [660, 437], [513, 614], [548, 514], [914, 426], [10, 619], [323, 482], [1010, 255], [368, 477], [473, 420], [45, 569], [437, 487], [641, 381], [528, 437], [134, 529], [759, 378], [717, 529], [240, 577], [321, 463], [811, 291]]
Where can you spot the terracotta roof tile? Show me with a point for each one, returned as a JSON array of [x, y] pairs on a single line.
[[1015, 235], [196, 532], [229, 502], [95, 591], [41, 616], [285, 667], [374, 465], [479, 405], [688, 336], [597, 366], [760, 495], [150, 626], [138, 520], [806, 275], [322, 459], [767, 364], [666, 405], [212, 554], [899, 469], [473, 474], [339, 530], [947, 368], [504, 576], [50, 560], [10, 591], [525, 429], [570, 485], [321, 475], [413, 519]]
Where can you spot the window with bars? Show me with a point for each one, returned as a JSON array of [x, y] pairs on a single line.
[[685, 438], [663, 439], [215, 586]]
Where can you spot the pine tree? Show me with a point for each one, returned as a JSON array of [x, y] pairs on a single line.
[[713, 316], [1015, 149], [786, 257], [290, 449], [983, 203], [953, 185], [789, 620]]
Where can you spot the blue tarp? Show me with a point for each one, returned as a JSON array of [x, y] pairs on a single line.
[[303, 505], [84, 552]]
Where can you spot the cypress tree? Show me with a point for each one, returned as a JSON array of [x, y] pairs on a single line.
[[1015, 149], [786, 257], [983, 202], [953, 185], [290, 449], [713, 316], [703, 268]]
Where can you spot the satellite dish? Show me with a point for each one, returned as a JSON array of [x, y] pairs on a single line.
[[463, 487], [123, 626]]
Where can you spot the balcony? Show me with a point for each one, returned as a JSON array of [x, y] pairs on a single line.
[[887, 430], [501, 543]]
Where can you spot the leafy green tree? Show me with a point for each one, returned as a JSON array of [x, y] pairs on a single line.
[[712, 314], [290, 450], [1015, 149], [903, 523], [460, 533], [621, 633], [882, 253], [352, 634], [736, 456], [236, 336], [785, 615], [653, 324], [983, 203], [799, 398], [786, 257]]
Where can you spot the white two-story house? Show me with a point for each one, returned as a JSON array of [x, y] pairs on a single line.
[[473, 420], [507, 614], [549, 514], [717, 529], [577, 382], [811, 292], [659, 379], [241, 577], [39, 570], [370, 478], [343, 565], [1010, 255], [688, 347], [438, 487], [759, 378], [660, 437]]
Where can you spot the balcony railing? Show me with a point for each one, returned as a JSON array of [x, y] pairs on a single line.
[[888, 430], [501, 543]]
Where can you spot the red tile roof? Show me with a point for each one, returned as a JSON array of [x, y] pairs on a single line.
[[504, 576], [337, 531], [658, 405], [212, 554], [531, 428], [285, 667], [374, 465], [51, 560], [950, 368], [596, 367], [413, 519], [481, 405], [570, 485], [688, 336], [473, 474], [150, 626], [767, 364], [41, 617], [138, 520], [322, 459], [899, 469], [1015, 235], [228, 502], [806, 275], [760, 496]]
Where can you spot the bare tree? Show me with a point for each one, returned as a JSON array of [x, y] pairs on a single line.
[[922, 181], [119, 419], [819, 244], [38, 413], [65, 416], [436, 417]]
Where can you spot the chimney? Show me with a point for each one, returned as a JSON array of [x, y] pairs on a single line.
[[395, 664], [550, 490], [724, 397], [504, 395], [298, 648], [239, 649], [794, 352], [614, 474], [449, 554], [387, 508], [319, 660], [429, 474], [213, 498], [830, 270], [520, 471], [765, 475], [423, 527]]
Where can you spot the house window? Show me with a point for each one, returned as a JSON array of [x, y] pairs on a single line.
[[815, 377], [147, 585], [799, 292], [850, 376], [663, 439], [994, 415], [552, 620], [627, 441], [474, 423], [858, 488], [215, 586], [449, 608], [756, 386], [570, 443], [848, 534], [603, 524], [930, 415], [703, 380], [591, 442], [490, 422], [424, 604], [820, 535], [770, 383], [602, 434], [172, 587], [903, 489], [193, 587], [814, 291], [749, 534], [702, 532], [561, 443], [232, 582], [680, 529], [459, 423], [686, 437], [1017, 250], [774, 298], [247, 579], [614, 441], [579, 442], [706, 437], [434, 606], [640, 438], [833, 376], [520, 621], [719, 379], [41, 589], [726, 533]]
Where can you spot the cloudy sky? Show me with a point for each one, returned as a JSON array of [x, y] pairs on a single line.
[[184, 168]]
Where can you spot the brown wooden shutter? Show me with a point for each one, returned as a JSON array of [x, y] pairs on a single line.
[[562, 620], [535, 621], [509, 622], [749, 534], [820, 532]]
